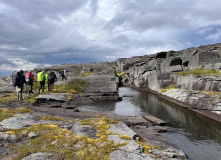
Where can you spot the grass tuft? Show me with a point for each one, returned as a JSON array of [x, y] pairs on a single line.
[[200, 72], [8, 97], [75, 85], [6, 113], [168, 88]]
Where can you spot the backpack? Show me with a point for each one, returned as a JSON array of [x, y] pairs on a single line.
[[40, 76], [51, 77], [61, 72], [28, 77], [17, 78]]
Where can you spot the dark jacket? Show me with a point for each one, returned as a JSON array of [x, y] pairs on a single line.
[[23, 80]]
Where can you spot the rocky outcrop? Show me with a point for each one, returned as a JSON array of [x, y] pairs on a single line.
[[102, 83], [158, 71], [150, 73]]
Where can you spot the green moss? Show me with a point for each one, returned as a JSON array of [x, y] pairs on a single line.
[[168, 88], [8, 97], [7, 113], [73, 86], [31, 98], [200, 72], [120, 74]]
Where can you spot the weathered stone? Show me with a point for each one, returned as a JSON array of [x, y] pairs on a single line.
[[32, 135], [51, 97], [40, 156], [160, 129], [155, 120], [8, 137]]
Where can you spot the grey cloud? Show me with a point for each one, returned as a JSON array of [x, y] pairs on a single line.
[[5, 62], [94, 6], [56, 32], [41, 9]]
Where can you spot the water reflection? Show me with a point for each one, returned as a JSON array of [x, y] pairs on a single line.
[[197, 136]]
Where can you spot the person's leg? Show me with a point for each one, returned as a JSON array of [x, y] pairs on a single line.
[[18, 95], [40, 87], [43, 86], [31, 88], [21, 92], [49, 88], [52, 87]]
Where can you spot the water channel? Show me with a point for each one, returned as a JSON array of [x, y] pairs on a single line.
[[198, 136]]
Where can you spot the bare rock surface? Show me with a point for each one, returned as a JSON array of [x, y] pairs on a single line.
[[155, 120], [132, 150]]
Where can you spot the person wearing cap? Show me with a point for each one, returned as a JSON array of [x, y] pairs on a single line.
[[41, 79], [20, 87]]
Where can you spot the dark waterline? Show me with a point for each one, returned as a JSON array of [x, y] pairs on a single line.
[[198, 136]]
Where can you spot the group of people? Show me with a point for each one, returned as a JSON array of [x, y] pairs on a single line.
[[48, 78], [42, 77]]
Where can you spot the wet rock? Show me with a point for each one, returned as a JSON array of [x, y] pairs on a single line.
[[155, 120], [127, 95], [76, 110], [160, 129]]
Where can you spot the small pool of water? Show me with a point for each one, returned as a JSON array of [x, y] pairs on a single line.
[[198, 136]]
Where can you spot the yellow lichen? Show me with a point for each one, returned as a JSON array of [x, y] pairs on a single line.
[[146, 146], [9, 132], [125, 137], [66, 145]]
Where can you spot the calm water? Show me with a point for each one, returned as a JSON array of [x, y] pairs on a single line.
[[197, 136]]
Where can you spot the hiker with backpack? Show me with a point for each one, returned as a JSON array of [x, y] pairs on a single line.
[[62, 74], [18, 80], [51, 79], [41, 78], [29, 77]]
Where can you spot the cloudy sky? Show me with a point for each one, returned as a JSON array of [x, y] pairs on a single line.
[[38, 33]]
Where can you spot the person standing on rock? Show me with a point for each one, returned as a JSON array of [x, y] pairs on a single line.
[[41, 78], [18, 80], [62, 74], [47, 81], [65, 75], [51, 78], [30, 79]]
